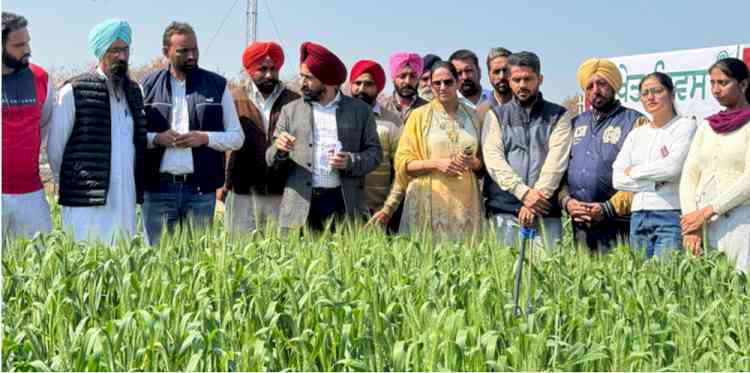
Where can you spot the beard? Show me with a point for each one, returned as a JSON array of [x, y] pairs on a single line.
[[15, 63], [426, 93], [602, 103], [369, 100], [266, 86], [186, 67], [502, 87], [468, 88], [526, 97], [312, 95], [118, 72], [406, 91]]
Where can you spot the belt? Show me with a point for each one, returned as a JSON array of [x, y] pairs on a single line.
[[324, 191], [176, 179]]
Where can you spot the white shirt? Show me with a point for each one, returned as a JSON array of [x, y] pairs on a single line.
[[325, 140], [178, 161], [486, 95], [657, 156], [264, 104], [117, 216]]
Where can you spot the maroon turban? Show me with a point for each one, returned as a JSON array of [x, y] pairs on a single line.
[[372, 67], [257, 52], [323, 64]]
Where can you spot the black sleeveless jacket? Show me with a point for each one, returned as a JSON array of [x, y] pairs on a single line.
[[85, 169]]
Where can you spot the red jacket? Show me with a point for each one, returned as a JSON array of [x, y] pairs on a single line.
[[24, 93]]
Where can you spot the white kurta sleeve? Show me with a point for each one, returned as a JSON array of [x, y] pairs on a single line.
[[232, 137], [60, 128], [47, 108]]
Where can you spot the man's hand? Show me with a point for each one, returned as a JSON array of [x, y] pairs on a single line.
[[167, 138], [285, 142], [537, 202], [692, 243], [526, 216], [595, 212], [192, 139], [472, 162], [221, 194], [340, 160], [577, 211]]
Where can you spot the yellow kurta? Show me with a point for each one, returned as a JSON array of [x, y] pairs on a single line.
[[446, 205]]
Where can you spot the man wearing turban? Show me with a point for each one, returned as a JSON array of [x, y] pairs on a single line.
[[424, 89], [97, 141], [382, 195], [406, 69], [600, 214], [324, 144], [252, 193], [28, 101], [192, 122]]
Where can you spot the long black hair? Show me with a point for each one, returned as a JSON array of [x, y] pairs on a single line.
[[736, 69]]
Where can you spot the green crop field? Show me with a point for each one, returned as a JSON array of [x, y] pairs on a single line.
[[360, 300]]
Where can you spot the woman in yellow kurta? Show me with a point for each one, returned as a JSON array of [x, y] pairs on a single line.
[[436, 161]]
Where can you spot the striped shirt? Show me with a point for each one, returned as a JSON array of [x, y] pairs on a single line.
[[325, 140]]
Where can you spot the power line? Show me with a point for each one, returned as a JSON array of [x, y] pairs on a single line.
[[229, 13], [273, 22]]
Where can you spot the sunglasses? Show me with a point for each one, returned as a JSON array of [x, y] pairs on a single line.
[[446, 82]]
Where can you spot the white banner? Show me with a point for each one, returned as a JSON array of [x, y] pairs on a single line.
[[688, 70]]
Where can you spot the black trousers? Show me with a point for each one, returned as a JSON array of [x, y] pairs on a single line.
[[325, 204], [604, 236]]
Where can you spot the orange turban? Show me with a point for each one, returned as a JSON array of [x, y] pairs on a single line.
[[257, 52], [323, 64]]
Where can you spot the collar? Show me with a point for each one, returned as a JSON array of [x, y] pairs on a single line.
[[483, 96], [334, 103], [256, 96]]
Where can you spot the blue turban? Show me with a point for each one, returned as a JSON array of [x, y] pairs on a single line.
[[104, 34]]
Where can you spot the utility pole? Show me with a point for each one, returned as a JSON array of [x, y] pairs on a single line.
[[252, 21]]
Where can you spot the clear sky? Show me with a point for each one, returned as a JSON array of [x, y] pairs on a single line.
[[562, 33]]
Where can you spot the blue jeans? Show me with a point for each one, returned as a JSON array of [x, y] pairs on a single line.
[[176, 203], [656, 231]]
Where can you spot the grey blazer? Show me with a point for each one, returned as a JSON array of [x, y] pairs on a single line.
[[358, 135]]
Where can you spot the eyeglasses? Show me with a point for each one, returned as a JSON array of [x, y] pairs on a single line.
[[654, 91], [446, 82], [118, 50]]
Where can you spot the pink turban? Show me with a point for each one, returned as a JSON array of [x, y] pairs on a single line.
[[399, 60]]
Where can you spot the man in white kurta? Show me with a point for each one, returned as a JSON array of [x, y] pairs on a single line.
[[117, 217]]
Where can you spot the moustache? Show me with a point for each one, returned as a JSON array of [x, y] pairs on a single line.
[[407, 91], [266, 85], [365, 97]]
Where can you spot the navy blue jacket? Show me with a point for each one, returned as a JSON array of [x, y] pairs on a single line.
[[597, 139], [204, 91]]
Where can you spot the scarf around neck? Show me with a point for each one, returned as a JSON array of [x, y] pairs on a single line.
[[728, 121]]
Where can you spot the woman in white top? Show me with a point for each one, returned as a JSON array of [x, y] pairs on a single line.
[[715, 186], [649, 165]]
